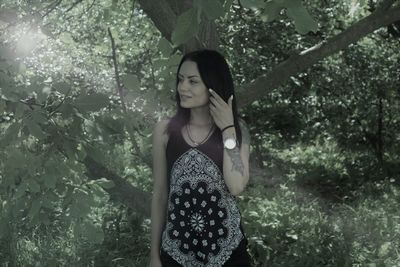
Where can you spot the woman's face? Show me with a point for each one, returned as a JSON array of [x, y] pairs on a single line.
[[192, 91]]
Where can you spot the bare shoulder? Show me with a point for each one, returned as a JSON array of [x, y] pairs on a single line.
[[159, 131]]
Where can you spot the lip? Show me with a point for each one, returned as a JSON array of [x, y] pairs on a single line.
[[186, 96]]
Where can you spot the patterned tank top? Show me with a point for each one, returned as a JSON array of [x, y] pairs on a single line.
[[203, 223]]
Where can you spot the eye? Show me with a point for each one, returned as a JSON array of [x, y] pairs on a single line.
[[193, 82]]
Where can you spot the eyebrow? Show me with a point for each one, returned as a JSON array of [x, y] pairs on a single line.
[[190, 76]]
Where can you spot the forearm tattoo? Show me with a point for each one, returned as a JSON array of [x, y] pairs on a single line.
[[245, 134], [237, 163], [234, 154]]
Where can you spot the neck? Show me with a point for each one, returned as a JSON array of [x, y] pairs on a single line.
[[200, 116]]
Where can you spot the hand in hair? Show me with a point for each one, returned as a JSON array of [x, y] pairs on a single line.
[[220, 110]]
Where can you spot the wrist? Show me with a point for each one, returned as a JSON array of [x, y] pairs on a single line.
[[229, 138], [229, 126], [229, 132]]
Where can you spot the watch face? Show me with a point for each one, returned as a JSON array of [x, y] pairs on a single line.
[[230, 143]]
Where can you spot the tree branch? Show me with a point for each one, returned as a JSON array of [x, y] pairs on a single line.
[[130, 128], [164, 18], [161, 14], [123, 191], [300, 62], [116, 72], [51, 7], [73, 5]]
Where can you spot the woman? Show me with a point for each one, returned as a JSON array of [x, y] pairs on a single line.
[[200, 163]]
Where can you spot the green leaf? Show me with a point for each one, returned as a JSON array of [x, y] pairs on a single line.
[[111, 125], [68, 192], [93, 233], [22, 68], [67, 110], [104, 183], [62, 87], [89, 231], [213, 9], [292, 236], [21, 190], [70, 149], [160, 63], [271, 11], [227, 5], [81, 202], [66, 38], [10, 135], [302, 19], [35, 208], [95, 153], [44, 218], [384, 249], [35, 130], [174, 60], [16, 159], [106, 14], [49, 199], [81, 153], [20, 205], [92, 102], [5, 80], [38, 116], [98, 190], [165, 47], [2, 105], [33, 186], [187, 26], [252, 4], [130, 81], [4, 227], [50, 180], [20, 110]]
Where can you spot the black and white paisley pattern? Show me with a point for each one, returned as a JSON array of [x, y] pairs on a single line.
[[203, 223]]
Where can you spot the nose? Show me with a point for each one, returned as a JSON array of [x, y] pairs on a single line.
[[183, 86]]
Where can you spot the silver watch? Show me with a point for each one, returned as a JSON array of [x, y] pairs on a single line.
[[230, 143]]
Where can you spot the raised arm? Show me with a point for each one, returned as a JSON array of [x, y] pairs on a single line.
[[236, 161]]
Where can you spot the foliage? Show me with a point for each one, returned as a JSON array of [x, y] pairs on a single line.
[[189, 21], [329, 135], [288, 227], [53, 118]]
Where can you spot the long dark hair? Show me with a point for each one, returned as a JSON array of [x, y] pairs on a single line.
[[214, 72]]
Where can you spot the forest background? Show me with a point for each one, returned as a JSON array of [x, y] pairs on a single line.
[[83, 82]]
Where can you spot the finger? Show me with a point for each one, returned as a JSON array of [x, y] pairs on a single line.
[[212, 100], [212, 108], [216, 96]]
